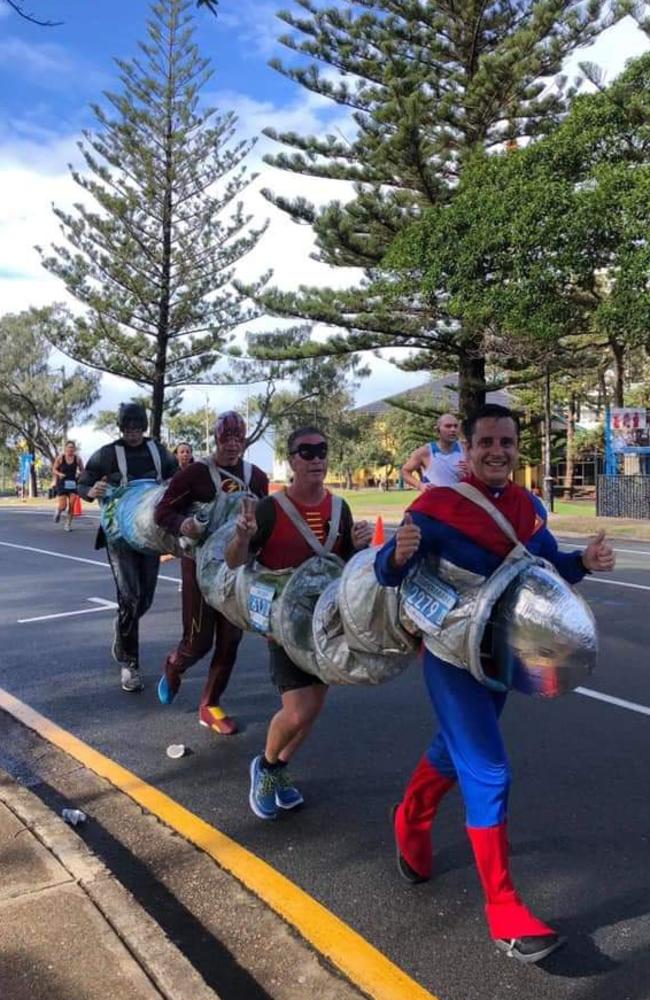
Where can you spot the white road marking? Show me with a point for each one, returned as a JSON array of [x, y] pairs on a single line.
[[62, 555], [45, 512], [630, 552], [587, 692], [611, 700], [103, 606], [615, 583]]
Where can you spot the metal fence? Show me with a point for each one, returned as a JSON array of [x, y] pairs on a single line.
[[623, 496]]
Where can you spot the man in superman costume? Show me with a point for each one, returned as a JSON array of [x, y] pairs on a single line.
[[468, 748]]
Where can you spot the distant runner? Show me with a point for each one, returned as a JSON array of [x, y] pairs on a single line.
[[66, 471], [439, 463]]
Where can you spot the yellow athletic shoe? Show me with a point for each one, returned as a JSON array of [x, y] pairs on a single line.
[[216, 719]]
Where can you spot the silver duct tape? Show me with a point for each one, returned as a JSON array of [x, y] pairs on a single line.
[[293, 626], [463, 581], [523, 628], [143, 533], [337, 663], [369, 611], [216, 581], [128, 517], [147, 534], [225, 507], [544, 634], [253, 574]]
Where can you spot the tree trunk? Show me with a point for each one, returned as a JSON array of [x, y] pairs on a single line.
[[158, 394], [618, 353], [570, 446], [33, 482], [471, 380], [548, 478]]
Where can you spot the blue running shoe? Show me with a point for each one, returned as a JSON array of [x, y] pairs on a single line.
[[165, 693], [262, 793], [287, 796]]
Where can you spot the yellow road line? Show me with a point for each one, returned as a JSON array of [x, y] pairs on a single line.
[[362, 964]]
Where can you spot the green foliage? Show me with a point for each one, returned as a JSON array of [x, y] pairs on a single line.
[[545, 249], [38, 403], [193, 426], [296, 389], [427, 86], [106, 420], [151, 250]]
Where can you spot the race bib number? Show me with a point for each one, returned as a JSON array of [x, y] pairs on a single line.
[[427, 600], [69, 484], [259, 606]]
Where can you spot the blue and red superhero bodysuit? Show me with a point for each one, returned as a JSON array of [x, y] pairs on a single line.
[[468, 748]]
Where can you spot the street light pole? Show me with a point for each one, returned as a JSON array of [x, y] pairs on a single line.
[[65, 409]]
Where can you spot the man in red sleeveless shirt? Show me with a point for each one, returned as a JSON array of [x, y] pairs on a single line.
[[203, 627], [271, 534]]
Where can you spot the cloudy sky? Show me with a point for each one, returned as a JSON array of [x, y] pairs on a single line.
[[49, 77]]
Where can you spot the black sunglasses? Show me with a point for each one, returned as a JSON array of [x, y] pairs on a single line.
[[311, 451]]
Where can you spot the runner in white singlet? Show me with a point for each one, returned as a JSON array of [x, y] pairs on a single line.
[[439, 463]]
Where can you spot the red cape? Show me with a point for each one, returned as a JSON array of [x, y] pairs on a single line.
[[514, 502]]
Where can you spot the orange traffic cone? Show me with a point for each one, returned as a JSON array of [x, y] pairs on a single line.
[[77, 510], [378, 537]]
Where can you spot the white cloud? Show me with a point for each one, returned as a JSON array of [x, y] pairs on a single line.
[[33, 174], [34, 58], [48, 63], [255, 24], [307, 113], [612, 50]]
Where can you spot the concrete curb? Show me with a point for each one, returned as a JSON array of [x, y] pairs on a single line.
[[158, 957]]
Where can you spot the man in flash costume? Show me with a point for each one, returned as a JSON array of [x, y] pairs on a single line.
[[203, 627]]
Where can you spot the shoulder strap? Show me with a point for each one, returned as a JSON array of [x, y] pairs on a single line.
[[471, 493], [216, 472], [235, 479], [120, 455], [212, 469], [301, 525], [335, 523], [155, 456]]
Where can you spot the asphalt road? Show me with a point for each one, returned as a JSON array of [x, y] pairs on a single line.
[[580, 806]]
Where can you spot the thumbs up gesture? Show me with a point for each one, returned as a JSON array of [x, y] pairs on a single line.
[[599, 554], [246, 524], [407, 541]]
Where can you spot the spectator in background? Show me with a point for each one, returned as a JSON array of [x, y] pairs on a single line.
[[184, 454], [439, 463]]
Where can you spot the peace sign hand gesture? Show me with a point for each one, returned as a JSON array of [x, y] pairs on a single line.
[[246, 524]]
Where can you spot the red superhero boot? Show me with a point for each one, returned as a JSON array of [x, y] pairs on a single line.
[[413, 818], [513, 927]]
